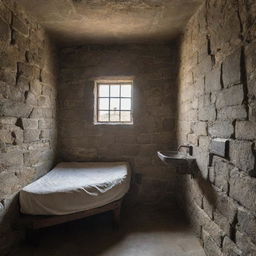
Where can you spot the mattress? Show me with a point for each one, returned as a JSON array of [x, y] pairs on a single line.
[[76, 186]]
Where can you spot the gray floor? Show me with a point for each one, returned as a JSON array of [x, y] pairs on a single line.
[[144, 231]]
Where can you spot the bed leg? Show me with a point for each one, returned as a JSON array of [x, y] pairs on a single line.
[[116, 216]]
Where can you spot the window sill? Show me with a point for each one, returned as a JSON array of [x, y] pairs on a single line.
[[106, 124]]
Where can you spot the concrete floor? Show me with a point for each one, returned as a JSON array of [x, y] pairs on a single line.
[[144, 231]]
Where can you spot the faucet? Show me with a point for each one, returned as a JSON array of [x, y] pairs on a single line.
[[189, 147]]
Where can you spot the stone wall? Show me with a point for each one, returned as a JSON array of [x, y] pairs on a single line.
[[217, 100], [154, 68], [27, 111]]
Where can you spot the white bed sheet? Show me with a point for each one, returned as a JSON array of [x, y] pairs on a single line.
[[76, 186]]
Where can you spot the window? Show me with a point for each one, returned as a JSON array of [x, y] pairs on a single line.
[[113, 102]]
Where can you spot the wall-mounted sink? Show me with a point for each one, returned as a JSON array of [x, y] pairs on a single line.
[[170, 156], [184, 162]]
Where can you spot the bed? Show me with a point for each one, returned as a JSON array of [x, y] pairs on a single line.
[[74, 190]]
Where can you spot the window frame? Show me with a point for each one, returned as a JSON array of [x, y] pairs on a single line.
[[96, 101]]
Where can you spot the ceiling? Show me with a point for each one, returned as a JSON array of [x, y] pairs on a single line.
[[112, 21]]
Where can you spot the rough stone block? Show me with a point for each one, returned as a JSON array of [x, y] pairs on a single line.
[[5, 13], [43, 167], [34, 157], [31, 135], [44, 101], [192, 115], [210, 246], [17, 135], [232, 113], [27, 70], [230, 248], [45, 123], [208, 208], [220, 147], [199, 86], [31, 99], [19, 25], [41, 113], [226, 206], [250, 51], [210, 227], [14, 158], [230, 96], [222, 171], [224, 26], [223, 129], [212, 80], [243, 189], [12, 93], [247, 223], [193, 139], [8, 76], [4, 35], [204, 100], [211, 174], [196, 193], [8, 120], [10, 184], [6, 136], [188, 79], [49, 91], [45, 134], [22, 82], [204, 66], [251, 86], [9, 58], [241, 155], [195, 103], [46, 77], [28, 123], [20, 40], [204, 142], [231, 69], [222, 222], [252, 113], [207, 113], [246, 130], [195, 221], [199, 128], [202, 159], [36, 87], [14, 109], [245, 244]]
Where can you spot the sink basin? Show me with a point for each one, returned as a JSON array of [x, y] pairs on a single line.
[[184, 163], [169, 156]]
